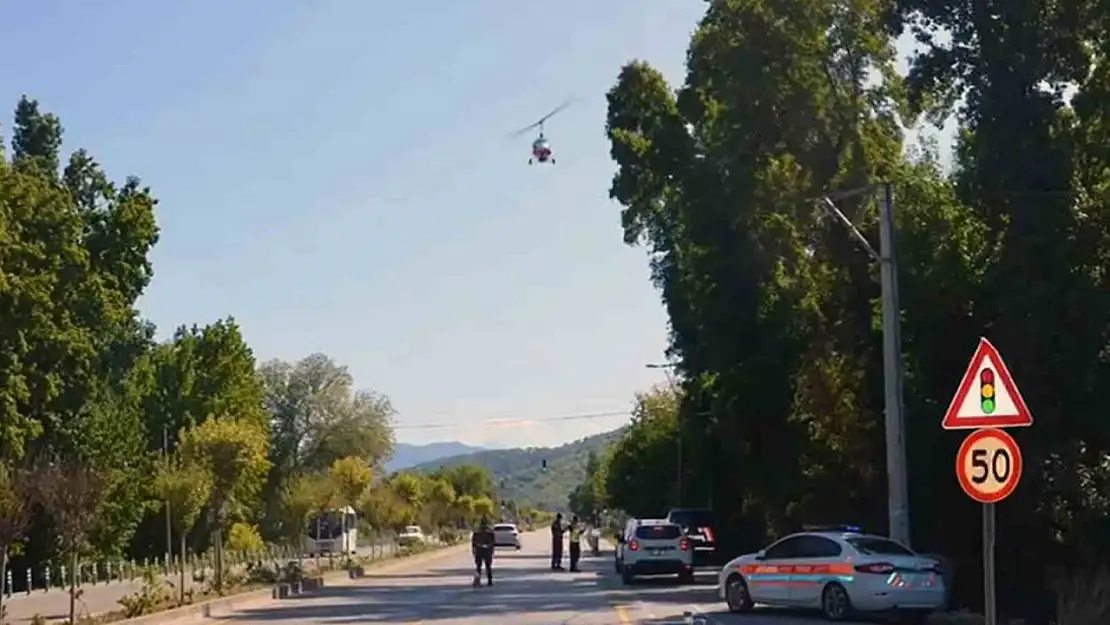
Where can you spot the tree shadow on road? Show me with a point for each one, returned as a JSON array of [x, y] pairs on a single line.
[[444, 593], [401, 604], [499, 569], [527, 587], [723, 617]]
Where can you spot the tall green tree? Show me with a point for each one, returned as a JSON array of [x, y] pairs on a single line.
[[75, 256], [203, 371], [16, 504], [468, 479], [79, 260], [773, 311], [1025, 169], [199, 372], [589, 496], [37, 140], [70, 493], [186, 488], [234, 453], [440, 501], [317, 418], [640, 472]]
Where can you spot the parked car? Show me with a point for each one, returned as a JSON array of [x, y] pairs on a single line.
[[839, 570], [412, 535]]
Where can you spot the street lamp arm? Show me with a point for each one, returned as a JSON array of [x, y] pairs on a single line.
[[829, 206]]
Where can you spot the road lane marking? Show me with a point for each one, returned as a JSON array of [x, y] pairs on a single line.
[[622, 614]]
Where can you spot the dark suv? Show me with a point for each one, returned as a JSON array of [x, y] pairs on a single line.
[[698, 524]]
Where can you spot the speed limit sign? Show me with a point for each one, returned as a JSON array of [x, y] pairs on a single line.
[[988, 465]]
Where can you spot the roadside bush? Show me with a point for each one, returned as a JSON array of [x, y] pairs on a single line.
[[412, 549], [1082, 597], [260, 574], [244, 538], [154, 594]]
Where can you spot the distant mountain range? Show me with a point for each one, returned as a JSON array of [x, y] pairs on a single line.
[[407, 455], [519, 474]]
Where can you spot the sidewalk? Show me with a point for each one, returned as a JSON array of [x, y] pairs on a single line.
[[53, 604]]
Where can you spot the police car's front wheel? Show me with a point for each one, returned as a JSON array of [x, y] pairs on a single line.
[[835, 603], [737, 596]]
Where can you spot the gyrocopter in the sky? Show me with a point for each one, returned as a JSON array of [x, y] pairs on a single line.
[[541, 147]]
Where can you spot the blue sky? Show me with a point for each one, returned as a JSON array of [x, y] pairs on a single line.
[[336, 174]]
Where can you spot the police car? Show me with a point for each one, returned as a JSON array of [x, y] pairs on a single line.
[[654, 547], [840, 571]]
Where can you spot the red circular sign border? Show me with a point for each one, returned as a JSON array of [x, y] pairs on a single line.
[[1015, 453]]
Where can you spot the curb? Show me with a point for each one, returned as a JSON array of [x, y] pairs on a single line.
[[222, 606]]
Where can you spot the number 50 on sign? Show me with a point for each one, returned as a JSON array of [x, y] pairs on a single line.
[[988, 465]]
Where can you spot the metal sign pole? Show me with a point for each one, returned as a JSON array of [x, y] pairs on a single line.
[[989, 462], [990, 609]]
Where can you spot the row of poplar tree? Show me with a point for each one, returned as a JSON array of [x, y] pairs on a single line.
[[773, 308], [101, 425]]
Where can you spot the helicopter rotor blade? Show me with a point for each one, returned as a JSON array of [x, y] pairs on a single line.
[[525, 129], [539, 124], [556, 110]]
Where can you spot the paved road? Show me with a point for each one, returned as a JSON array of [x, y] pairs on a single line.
[[525, 592]]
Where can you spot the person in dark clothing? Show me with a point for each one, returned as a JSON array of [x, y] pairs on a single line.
[[557, 530], [575, 543], [481, 544]]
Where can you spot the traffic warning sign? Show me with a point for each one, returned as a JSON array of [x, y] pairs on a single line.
[[987, 396], [988, 465]]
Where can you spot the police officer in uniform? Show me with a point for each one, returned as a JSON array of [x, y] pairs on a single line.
[[575, 543], [557, 543], [481, 545]]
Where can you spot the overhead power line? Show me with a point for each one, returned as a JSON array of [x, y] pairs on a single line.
[[500, 422]]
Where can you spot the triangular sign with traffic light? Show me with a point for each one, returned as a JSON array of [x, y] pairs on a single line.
[[987, 396]]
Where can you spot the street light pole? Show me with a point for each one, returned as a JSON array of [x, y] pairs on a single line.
[[169, 514], [887, 257]]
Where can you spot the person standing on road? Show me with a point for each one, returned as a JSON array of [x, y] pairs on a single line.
[[575, 543], [481, 544], [557, 530]]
